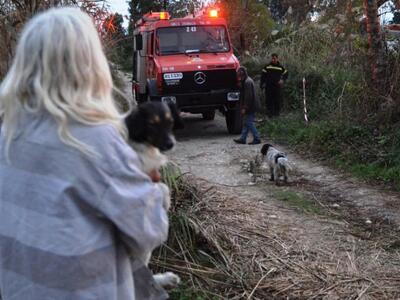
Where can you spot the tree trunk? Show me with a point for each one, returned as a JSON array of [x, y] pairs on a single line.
[[376, 46]]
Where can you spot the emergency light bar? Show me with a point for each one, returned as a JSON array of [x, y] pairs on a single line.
[[154, 16]]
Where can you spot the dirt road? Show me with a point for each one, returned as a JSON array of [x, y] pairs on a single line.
[[324, 235]]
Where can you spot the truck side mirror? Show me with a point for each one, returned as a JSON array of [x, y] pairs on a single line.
[[138, 45]]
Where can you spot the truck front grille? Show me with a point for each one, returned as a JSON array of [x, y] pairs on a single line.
[[192, 82]]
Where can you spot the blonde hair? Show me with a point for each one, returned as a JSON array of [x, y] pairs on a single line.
[[60, 68]]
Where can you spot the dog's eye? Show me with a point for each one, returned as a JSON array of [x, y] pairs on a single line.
[[155, 120]]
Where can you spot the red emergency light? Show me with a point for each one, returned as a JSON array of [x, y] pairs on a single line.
[[213, 13], [164, 15]]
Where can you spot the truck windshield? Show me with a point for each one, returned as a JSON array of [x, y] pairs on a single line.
[[191, 39]]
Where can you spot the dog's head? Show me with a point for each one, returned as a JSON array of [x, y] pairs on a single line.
[[152, 123], [265, 148]]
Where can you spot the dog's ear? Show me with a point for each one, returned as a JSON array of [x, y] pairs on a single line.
[[136, 125], [264, 149], [178, 122]]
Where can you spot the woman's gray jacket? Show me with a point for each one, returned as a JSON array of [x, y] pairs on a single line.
[[62, 214]]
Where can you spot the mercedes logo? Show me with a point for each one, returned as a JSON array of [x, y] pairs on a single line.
[[199, 77]]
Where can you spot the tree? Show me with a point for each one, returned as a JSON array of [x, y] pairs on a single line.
[[114, 38], [177, 8], [249, 23], [13, 16], [376, 46], [137, 8]]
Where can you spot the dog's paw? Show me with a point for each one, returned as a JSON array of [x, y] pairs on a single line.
[[167, 279], [167, 198]]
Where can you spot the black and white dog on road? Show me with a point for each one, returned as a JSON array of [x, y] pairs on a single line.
[[277, 161]]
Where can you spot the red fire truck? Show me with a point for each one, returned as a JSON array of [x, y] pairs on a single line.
[[188, 61]]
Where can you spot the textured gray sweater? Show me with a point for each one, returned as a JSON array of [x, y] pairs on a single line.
[[62, 214]]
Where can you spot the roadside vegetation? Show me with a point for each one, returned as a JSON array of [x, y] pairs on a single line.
[[351, 124]]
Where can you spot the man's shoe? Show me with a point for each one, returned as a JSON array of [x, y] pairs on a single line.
[[255, 142], [239, 141]]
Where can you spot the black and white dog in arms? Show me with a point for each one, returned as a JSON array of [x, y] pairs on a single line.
[[277, 161], [150, 129]]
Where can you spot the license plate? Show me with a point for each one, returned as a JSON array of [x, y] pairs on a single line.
[[173, 76]]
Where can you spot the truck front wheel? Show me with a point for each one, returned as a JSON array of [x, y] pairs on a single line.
[[233, 121]]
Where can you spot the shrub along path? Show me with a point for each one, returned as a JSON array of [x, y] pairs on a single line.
[[323, 235]]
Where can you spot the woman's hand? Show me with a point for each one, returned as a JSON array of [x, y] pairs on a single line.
[[155, 175]]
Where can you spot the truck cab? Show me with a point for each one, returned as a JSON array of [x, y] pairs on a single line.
[[188, 61]]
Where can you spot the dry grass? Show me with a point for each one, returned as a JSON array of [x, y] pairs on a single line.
[[219, 244]]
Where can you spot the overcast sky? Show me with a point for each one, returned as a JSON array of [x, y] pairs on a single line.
[[119, 6]]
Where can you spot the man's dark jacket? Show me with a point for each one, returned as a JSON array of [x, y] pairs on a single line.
[[249, 98]]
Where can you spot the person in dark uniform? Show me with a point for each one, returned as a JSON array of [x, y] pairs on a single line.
[[273, 76]]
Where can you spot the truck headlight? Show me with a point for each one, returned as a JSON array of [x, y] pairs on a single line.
[[234, 96]]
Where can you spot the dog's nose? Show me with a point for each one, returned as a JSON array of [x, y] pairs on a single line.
[[168, 145]]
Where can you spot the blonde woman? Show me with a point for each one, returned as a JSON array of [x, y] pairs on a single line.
[[70, 187]]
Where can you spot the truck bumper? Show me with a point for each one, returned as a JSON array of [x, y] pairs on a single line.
[[201, 102]]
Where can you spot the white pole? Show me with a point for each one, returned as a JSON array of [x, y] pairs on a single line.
[[304, 100]]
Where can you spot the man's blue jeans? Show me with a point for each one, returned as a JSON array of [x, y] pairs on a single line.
[[248, 125]]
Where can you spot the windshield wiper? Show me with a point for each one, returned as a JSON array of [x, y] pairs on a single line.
[[163, 52]]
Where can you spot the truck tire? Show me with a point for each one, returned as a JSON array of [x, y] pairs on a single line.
[[233, 121], [209, 115]]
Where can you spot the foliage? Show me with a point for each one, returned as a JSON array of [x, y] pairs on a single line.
[[182, 8], [177, 8], [14, 14], [116, 41], [350, 123], [184, 292], [249, 25]]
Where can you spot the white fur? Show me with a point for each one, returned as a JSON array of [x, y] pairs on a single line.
[[167, 279], [278, 167], [152, 159]]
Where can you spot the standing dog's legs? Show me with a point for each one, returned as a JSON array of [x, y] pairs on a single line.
[[276, 174], [272, 174]]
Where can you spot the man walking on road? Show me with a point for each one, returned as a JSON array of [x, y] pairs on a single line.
[[250, 104], [272, 78]]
